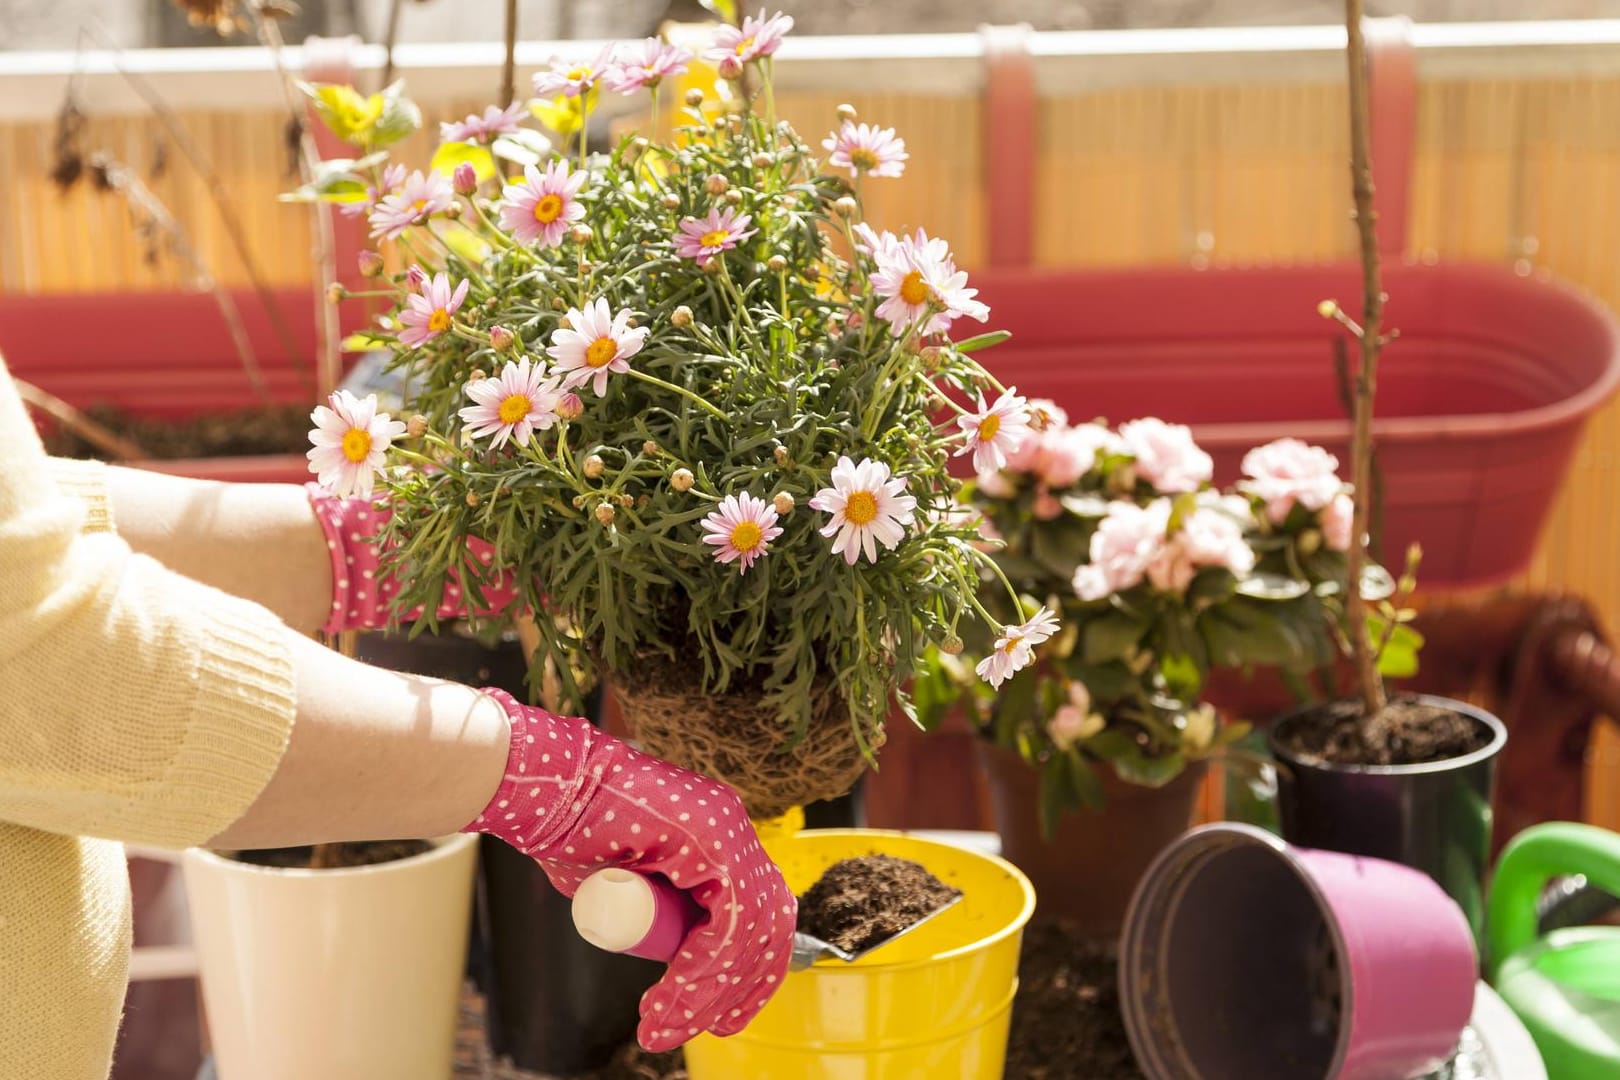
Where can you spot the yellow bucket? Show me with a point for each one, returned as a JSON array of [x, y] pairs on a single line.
[[935, 1004]]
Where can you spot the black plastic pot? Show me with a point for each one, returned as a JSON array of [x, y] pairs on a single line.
[[556, 1005], [1435, 817]]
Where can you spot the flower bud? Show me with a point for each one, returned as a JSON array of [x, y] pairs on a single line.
[[627, 500], [638, 146], [931, 355], [649, 448], [1310, 541], [581, 234], [951, 646], [570, 407], [694, 98], [681, 317], [671, 201], [416, 277], [501, 339], [452, 212], [763, 160], [371, 264], [717, 185], [594, 465], [710, 265], [557, 304], [464, 179], [579, 502], [416, 426], [845, 207], [847, 111], [605, 513], [335, 292], [732, 198], [473, 499], [783, 502], [730, 67], [477, 375], [781, 455], [776, 264], [681, 479], [586, 266]]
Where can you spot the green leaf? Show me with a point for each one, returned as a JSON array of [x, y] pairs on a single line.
[[452, 154], [1134, 767], [725, 9], [1183, 677], [525, 146], [982, 341], [1083, 779], [364, 341], [1272, 587], [1399, 660], [1015, 707], [1055, 796], [1110, 636], [400, 117], [346, 112]]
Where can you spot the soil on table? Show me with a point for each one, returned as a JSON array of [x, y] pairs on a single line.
[[1410, 732], [1066, 1021], [274, 429], [862, 902], [634, 1063], [334, 856]]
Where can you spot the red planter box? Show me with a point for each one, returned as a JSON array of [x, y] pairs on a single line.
[[1481, 400]]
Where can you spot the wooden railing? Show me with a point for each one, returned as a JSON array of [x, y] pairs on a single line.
[[1202, 146]]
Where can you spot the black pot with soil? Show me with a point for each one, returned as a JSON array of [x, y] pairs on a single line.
[[1419, 795]]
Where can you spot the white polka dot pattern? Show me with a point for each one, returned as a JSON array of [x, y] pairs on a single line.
[[588, 807]]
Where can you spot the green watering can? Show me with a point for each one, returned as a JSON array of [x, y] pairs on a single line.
[[1564, 985]]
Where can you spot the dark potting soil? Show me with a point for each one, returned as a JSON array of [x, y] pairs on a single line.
[[1066, 1021], [861, 902], [273, 429], [1410, 732], [634, 1063], [335, 856]]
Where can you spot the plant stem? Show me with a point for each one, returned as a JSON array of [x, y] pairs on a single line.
[[1371, 683], [509, 65]]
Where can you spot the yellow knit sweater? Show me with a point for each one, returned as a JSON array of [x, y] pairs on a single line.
[[135, 705]]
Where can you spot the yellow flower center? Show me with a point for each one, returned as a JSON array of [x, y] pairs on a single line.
[[419, 205], [744, 45], [913, 289], [746, 536], [579, 73], [715, 237], [548, 209], [514, 408], [357, 444], [601, 352], [862, 158], [439, 321], [988, 427], [860, 508]]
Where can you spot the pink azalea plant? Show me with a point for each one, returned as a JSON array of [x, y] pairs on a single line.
[[687, 396]]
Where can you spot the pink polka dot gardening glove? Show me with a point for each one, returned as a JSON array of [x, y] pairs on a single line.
[[579, 800], [362, 595]]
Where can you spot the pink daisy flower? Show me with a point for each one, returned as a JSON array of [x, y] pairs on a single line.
[[645, 64], [879, 245], [702, 238], [866, 506], [863, 148], [543, 206], [741, 530], [419, 198], [428, 314], [1015, 648], [994, 431], [571, 78], [757, 37], [594, 343], [495, 122], [922, 287], [393, 178], [350, 441], [515, 404]]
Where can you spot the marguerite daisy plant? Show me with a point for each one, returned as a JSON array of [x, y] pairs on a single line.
[[694, 400]]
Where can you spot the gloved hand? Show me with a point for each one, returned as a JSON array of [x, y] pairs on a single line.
[[362, 595], [578, 800]]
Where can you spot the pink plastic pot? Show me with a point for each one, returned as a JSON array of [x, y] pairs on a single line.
[[1245, 957], [1481, 400]]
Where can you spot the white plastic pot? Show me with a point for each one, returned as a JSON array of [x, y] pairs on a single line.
[[333, 974]]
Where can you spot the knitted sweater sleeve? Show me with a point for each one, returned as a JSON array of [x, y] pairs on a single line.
[[135, 704]]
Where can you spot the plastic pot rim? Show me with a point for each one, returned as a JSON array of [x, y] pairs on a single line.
[[1491, 723], [444, 847]]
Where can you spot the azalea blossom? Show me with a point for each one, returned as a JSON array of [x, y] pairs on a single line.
[[1338, 522], [1207, 537], [495, 122], [922, 287], [1166, 455], [1074, 721], [645, 64], [703, 238], [866, 505], [1015, 648], [515, 404], [741, 529], [1127, 541], [393, 178], [429, 313], [757, 37], [572, 79], [594, 343], [419, 198], [1288, 471], [350, 441], [543, 206], [865, 148], [991, 432]]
